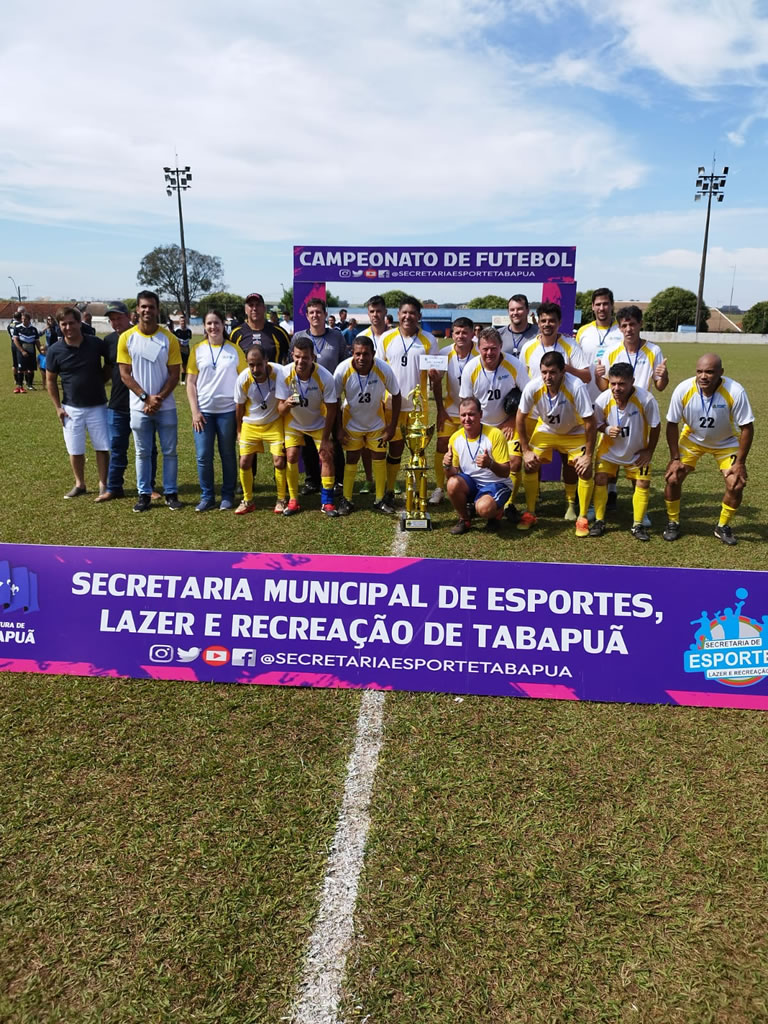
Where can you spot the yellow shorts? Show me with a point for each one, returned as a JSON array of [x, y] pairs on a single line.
[[399, 434], [691, 452], [294, 440], [449, 427], [253, 438], [572, 446], [630, 472], [373, 441]]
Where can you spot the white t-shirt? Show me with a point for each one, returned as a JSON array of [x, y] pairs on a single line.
[[314, 395], [635, 420], [713, 422], [562, 413]]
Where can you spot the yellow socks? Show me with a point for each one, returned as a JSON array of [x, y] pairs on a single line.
[[292, 474], [585, 495], [280, 480], [393, 468], [350, 472], [517, 482], [531, 488], [570, 493], [673, 510], [600, 500], [380, 477], [640, 501], [246, 482], [726, 514], [439, 470]]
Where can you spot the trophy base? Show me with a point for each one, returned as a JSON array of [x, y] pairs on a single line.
[[412, 523]]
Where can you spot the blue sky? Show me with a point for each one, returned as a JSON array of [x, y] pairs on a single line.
[[399, 122]]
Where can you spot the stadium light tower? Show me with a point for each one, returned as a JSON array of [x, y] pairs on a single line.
[[177, 180], [707, 185], [18, 290]]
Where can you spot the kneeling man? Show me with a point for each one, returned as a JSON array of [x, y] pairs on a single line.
[[477, 468]]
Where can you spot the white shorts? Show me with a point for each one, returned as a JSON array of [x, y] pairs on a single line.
[[93, 419]]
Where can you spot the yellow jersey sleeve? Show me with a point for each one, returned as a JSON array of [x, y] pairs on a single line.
[[123, 355], [192, 363], [499, 450]]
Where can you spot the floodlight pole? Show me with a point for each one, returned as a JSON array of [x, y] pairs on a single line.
[[707, 185], [177, 179], [18, 290]]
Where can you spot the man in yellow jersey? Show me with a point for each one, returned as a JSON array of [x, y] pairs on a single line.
[[377, 314], [565, 423], [477, 469], [628, 421], [306, 399], [149, 358], [362, 381], [259, 424], [459, 353], [717, 420]]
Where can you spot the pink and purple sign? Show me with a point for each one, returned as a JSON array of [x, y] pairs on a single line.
[[515, 629]]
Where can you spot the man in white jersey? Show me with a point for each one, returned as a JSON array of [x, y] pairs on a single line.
[[259, 425], [549, 339], [149, 357], [377, 314], [362, 381], [717, 420], [648, 364], [518, 331], [477, 468], [596, 337], [306, 398], [402, 349], [565, 423], [460, 352], [629, 425]]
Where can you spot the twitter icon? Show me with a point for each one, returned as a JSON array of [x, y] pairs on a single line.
[[190, 655]]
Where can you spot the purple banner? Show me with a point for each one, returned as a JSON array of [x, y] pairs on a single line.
[[570, 632]]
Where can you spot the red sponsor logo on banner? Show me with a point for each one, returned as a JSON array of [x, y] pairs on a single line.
[[215, 655], [371, 273]]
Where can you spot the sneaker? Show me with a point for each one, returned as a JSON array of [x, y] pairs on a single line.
[[436, 496], [384, 507], [225, 505], [612, 500], [245, 507], [205, 505], [366, 487], [292, 507], [310, 488], [31, 387], [671, 530], [172, 502], [527, 520], [639, 531], [329, 510], [280, 506], [571, 515], [597, 529], [345, 507], [144, 503], [462, 526], [582, 527], [725, 534], [512, 513], [18, 391]]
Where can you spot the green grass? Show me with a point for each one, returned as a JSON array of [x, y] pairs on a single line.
[[163, 843]]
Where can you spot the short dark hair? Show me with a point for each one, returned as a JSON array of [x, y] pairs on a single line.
[[258, 349], [599, 292], [340, 311], [146, 294], [629, 313], [65, 311], [463, 321], [317, 302], [472, 400], [519, 298], [364, 339], [409, 300], [623, 370], [490, 334], [304, 343], [551, 309], [553, 359], [376, 300]]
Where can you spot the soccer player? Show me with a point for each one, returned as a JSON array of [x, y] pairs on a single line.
[[648, 364], [257, 330], [477, 468], [402, 350], [377, 314], [628, 420], [82, 361], [717, 420], [596, 337], [306, 398], [518, 331], [26, 338], [460, 353], [490, 377], [362, 382], [259, 423], [565, 423], [549, 339]]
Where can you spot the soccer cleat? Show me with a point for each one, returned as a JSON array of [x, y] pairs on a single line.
[[527, 520], [725, 534], [612, 500], [384, 507], [366, 487], [205, 505], [172, 502], [345, 507], [245, 507], [279, 506], [310, 487], [671, 530], [292, 508], [597, 529], [571, 515], [582, 527], [639, 532], [144, 503], [436, 496], [389, 498], [329, 510], [462, 526]]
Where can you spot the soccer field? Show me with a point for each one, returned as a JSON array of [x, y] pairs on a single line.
[[165, 844]]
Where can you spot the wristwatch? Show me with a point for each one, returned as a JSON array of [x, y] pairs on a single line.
[[143, 396]]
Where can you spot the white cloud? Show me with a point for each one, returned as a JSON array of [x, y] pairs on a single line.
[[749, 262]]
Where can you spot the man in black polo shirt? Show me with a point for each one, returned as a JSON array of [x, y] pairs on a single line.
[[184, 334], [82, 360], [257, 330], [26, 337]]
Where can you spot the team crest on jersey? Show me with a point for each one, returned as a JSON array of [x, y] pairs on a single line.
[[729, 647]]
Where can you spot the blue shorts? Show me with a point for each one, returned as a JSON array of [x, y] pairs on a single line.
[[500, 492]]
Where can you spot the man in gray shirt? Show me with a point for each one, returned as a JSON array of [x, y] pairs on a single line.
[[515, 334]]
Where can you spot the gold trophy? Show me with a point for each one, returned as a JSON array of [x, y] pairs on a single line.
[[417, 436]]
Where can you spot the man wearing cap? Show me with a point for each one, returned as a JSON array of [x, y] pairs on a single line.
[[257, 330], [119, 411]]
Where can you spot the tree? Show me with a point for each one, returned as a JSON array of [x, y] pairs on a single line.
[[227, 302], [487, 302], [584, 303], [755, 320], [394, 297], [672, 307], [162, 271], [285, 305]]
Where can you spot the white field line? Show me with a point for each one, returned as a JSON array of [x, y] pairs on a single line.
[[326, 957]]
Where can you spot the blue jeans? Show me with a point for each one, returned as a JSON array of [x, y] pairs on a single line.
[[119, 435], [219, 426], [164, 424]]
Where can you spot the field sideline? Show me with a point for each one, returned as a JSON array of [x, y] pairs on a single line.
[[164, 845]]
